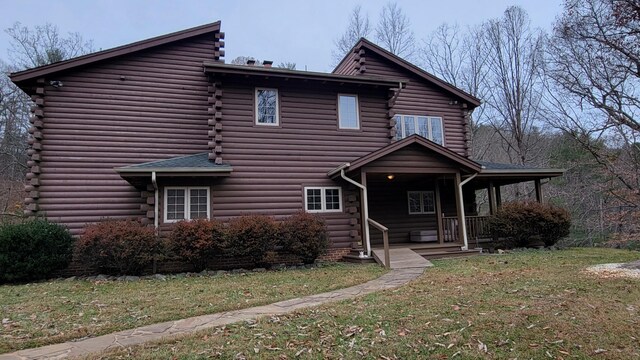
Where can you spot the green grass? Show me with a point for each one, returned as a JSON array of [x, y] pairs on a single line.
[[525, 305], [57, 311]]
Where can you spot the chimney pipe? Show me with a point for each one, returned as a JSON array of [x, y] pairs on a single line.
[[267, 63], [251, 62]]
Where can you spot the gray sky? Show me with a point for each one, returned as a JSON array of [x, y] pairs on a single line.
[[280, 30]]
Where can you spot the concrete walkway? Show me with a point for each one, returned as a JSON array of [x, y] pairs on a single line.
[[402, 258], [169, 329]]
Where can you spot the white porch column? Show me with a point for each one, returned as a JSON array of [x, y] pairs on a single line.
[[462, 221]]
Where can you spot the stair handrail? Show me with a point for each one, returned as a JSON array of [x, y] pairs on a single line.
[[385, 240]]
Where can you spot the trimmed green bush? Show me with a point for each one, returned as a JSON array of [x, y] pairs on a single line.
[[523, 224], [118, 247], [252, 236], [33, 250], [196, 241], [305, 235]]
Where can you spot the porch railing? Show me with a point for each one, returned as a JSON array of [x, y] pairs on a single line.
[[477, 228]]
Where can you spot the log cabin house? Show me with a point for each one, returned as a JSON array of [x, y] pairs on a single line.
[[164, 130]]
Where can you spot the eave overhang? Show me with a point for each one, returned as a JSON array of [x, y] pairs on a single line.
[[286, 74]]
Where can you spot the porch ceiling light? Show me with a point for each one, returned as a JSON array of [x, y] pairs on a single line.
[[391, 176]]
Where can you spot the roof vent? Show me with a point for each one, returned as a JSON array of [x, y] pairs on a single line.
[[251, 62], [267, 63]]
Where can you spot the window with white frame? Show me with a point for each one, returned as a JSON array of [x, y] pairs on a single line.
[[421, 202], [267, 106], [348, 117], [186, 203], [429, 127], [322, 199]]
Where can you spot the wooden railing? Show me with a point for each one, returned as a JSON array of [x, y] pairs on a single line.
[[385, 241], [477, 228]]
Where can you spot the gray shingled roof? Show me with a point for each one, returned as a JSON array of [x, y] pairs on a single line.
[[196, 162], [498, 166]]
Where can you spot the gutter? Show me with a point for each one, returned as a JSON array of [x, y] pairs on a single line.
[[365, 207], [155, 202], [464, 219]]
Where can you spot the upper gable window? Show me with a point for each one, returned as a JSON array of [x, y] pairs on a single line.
[[267, 106], [348, 117], [429, 127]]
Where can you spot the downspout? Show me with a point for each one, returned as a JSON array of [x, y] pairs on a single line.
[[464, 218], [365, 209], [155, 198]]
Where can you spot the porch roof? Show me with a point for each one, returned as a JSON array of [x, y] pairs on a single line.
[[189, 165], [463, 162]]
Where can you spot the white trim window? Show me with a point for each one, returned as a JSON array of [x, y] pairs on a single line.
[[348, 112], [323, 199], [267, 107], [429, 127], [186, 203], [421, 202]]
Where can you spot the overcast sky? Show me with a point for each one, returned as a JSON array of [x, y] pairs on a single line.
[[280, 30]]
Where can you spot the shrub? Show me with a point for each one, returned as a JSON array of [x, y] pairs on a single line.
[[522, 224], [33, 250], [305, 235], [117, 246], [252, 236], [196, 241]]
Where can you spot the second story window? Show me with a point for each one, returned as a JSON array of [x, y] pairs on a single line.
[[348, 117], [429, 127], [267, 107]]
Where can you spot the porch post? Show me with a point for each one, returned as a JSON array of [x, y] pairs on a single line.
[[439, 213], [462, 226], [492, 199], [498, 197], [538, 185]]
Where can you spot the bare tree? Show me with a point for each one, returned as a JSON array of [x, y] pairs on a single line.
[[242, 60], [456, 56], [287, 65], [43, 45], [28, 48], [515, 61], [594, 95], [394, 31], [358, 28]]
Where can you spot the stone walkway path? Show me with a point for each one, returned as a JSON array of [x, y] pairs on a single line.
[[169, 329]]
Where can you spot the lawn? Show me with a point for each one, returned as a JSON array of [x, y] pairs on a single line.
[[537, 304], [56, 311]]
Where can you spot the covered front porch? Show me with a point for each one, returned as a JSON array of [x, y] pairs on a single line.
[[418, 195]]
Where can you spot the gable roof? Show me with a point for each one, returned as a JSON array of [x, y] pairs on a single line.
[[30, 74], [271, 72], [474, 101], [401, 144]]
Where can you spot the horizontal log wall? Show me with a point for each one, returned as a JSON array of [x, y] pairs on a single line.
[[272, 164], [418, 98], [142, 107]]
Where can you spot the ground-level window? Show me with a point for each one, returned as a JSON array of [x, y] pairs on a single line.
[[429, 127], [421, 202], [322, 199], [348, 112], [267, 106], [186, 203]]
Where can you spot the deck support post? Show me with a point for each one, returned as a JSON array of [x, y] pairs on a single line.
[[493, 205], [462, 226], [440, 231], [539, 195]]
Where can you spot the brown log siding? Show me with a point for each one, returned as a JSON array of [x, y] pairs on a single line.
[[142, 107], [418, 98]]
